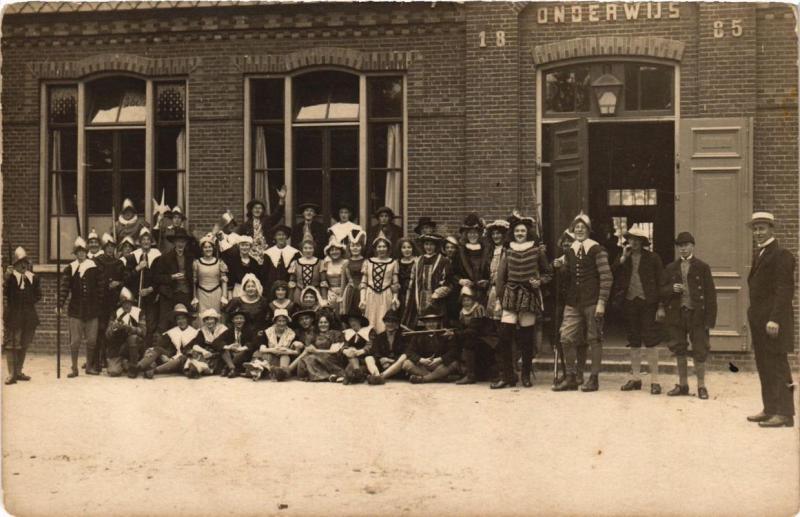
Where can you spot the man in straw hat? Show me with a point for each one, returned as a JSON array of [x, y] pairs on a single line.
[[433, 356], [22, 291], [586, 271], [125, 336], [638, 272], [771, 318], [690, 299], [83, 284]]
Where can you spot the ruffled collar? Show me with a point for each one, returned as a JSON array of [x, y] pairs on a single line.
[[521, 246], [127, 222]]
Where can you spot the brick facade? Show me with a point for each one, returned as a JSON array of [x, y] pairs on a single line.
[[471, 109]]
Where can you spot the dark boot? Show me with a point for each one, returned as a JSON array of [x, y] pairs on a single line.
[[581, 353], [21, 353], [567, 384], [525, 336], [504, 358], [441, 372], [74, 358], [469, 366], [91, 361], [592, 385]]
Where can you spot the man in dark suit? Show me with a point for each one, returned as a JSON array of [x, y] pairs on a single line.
[[638, 272], [174, 277], [771, 284], [385, 226], [310, 227], [690, 298]]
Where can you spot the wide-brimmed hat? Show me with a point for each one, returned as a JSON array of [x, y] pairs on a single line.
[[302, 207], [391, 315], [431, 237], [253, 202], [334, 243], [516, 218], [227, 218], [499, 225], [180, 309], [467, 291], [209, 313], [431, 313], [452, 240], [384, 210], [20, 254], [684, 237], [282, 228], [303, 312], [179, 233], [424, 221], [281, 313], [360, 317], [238, 310], [471, 222], [243, 238], [761, 217], [638, 233]]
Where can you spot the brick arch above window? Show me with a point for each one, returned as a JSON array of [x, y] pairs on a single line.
[[114, 62], [635, 46], [325, 56]]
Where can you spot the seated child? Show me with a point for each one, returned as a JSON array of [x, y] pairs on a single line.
[[388, 349], [357, 349], [239, 344]]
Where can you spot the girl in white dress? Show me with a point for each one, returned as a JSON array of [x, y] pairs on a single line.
[[379, 284], [335, 276], [210, 280]]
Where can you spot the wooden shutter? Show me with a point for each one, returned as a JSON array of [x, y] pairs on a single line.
[[570, 171], [713, 201]]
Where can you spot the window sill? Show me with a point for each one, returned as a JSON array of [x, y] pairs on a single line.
[[47, 268]]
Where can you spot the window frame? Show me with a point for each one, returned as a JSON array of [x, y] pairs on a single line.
[[45, 217], [364, 217]]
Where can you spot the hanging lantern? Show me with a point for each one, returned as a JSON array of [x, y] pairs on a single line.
[[607, 89]]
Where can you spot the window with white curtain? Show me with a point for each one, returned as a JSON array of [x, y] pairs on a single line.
[[385, 101], [114, 117], [266, 105]]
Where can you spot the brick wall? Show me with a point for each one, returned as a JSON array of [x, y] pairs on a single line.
[[471, 109]]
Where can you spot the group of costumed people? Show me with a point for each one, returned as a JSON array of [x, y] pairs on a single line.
[[350, 305]]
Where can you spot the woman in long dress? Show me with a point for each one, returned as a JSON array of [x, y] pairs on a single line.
[[210, 280], [406, 265], [379, 285], [355, 265], [335, 276], [322, 360], [305, 271]]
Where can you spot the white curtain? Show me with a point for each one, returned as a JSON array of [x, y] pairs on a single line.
[[261, 164], [55, 165], [394, 148], [180, 144]]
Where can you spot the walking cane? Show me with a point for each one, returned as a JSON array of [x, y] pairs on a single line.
[[141, 282]]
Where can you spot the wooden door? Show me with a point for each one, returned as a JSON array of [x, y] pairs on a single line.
[[570, 173], [713, 201]]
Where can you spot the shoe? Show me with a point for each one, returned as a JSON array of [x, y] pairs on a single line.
[[568, 383], [73, 373], [702, 393], [23, 377], [92, 371], [526, 381], [149, 374], [777, 421], [11, 380], [761, 417], [133, 373], [467, 379], [333, 378], [280, 374], [232, 374], [416, 379], [579, 378], [678, 390], [193, 374], [502, 384], [631, 385], [375, 380], [655, 389], [593, 384]]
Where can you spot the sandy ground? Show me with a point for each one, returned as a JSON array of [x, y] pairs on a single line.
[[101, 446]]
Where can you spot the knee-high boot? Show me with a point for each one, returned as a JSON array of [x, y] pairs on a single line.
[[503, 356], [525, 337], [581, 353], [468, 357]]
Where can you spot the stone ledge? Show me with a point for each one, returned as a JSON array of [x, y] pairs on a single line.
[[325, 56], [644, 46], [114, 62]]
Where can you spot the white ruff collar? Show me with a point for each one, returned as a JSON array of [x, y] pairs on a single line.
[[275, 253], [474, 246], [151, 255], [127, 222], [81, 267], [587, 245], [521, 246]]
